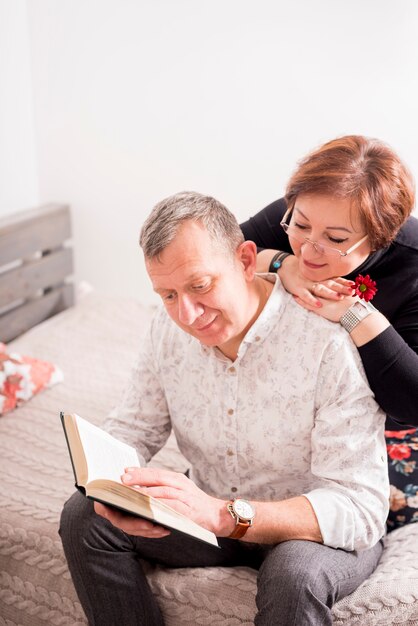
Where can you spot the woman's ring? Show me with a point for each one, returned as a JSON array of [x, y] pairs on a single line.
[[314, 286]]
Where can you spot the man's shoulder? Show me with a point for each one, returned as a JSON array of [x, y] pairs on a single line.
[[325, 346], [296, 320], [317, 329], [302, 317]]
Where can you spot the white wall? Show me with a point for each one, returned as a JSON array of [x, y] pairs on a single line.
[[138, 99], [18, 175]]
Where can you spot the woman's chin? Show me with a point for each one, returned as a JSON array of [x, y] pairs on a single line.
[[314, 275]]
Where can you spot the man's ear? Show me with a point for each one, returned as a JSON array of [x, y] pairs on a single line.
[[247, 256]]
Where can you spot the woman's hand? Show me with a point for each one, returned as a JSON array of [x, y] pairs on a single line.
[[329, 309], [313, 294]]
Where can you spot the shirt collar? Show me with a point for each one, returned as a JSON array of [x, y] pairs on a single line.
[[265, 322], [269, 316]]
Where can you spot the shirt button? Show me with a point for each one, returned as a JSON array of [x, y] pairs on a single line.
[[234, 489], [230, 411], [232, 370], [230, 452], [257, 338]]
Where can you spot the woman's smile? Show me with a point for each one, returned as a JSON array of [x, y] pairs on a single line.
[[313, 266]]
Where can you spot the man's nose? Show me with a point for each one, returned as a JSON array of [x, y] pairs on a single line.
[[189, 310]]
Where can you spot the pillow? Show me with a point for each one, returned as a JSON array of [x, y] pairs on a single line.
[[402, 447], [21, 377]]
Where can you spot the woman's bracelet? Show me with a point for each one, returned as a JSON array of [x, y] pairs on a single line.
[[277, 261], [356, 314]]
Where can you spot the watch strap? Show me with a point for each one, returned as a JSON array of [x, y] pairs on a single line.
[[356, 314], [239, 530]]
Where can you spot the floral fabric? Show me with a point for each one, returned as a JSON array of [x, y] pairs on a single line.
[[402, 447], [21, 377]]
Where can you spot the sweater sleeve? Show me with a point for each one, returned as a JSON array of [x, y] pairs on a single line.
[[264, 227], [392, 371]]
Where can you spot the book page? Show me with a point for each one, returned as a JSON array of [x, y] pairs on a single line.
[[106, 456]]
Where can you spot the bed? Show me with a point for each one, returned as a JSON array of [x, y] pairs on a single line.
[[93, 339]]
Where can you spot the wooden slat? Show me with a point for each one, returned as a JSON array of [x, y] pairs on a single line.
[[32, 231], [23, 282], [33, 312]]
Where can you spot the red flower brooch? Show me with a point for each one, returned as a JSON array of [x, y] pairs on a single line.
[[364, 287]]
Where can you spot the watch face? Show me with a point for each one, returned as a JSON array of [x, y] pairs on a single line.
[[362, 309], [243, 509]]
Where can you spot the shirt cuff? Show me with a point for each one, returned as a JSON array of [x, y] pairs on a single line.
[[334, 512]]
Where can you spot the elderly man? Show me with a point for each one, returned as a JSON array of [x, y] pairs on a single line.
[[227, 359]]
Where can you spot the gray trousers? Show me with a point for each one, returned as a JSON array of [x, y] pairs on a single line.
[[298, 581]]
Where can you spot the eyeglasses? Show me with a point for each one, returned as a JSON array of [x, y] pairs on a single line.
[[321, 248]]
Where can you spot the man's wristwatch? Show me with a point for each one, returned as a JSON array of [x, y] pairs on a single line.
[[355, 314], [243, 513], [277, 260]]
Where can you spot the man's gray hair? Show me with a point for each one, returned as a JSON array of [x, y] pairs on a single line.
[[161, 226]]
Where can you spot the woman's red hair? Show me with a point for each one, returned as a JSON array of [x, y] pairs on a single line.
[[365, 170]]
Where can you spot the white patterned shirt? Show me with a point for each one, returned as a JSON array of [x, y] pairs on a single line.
[[292, 415]]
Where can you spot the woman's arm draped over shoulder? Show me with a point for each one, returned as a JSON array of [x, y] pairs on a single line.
[[391, 358]]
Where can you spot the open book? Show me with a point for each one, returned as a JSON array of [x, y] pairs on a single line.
[[99, 460]]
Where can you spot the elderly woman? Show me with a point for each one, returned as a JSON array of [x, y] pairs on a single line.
[[347, 215]]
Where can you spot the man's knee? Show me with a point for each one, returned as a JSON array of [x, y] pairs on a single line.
[[75, 517], [297, 569]]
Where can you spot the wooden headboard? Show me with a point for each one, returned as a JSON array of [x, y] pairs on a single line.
[[36, 261]]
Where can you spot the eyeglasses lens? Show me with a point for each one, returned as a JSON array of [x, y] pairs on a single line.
[[319, 247]]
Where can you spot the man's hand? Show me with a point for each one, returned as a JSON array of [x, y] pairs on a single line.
[[175, 490], [130, 524], [181, 494]]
